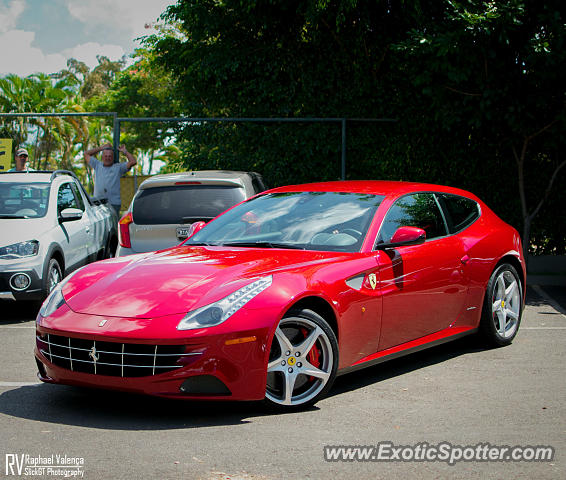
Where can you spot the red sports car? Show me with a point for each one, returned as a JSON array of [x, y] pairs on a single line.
[[278, 295]]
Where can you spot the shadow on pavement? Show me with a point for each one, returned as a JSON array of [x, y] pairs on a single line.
[[124, 411], [17, 312], [410, 363], [119, 411]]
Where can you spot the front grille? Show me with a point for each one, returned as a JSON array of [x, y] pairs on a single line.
[[111, 358]]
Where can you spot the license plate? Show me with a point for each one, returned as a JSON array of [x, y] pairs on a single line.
[[182, 233]]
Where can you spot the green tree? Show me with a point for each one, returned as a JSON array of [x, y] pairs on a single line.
[[478, 88], [145, 90], [496, 71]]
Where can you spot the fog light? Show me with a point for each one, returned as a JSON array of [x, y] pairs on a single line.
[[20, 281]]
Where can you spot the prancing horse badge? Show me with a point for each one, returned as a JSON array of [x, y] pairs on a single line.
[[372, 280]]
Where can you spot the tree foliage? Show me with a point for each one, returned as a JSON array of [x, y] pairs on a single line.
[[478, 89]]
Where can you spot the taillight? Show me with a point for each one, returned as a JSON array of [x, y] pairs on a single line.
[[124, 232]]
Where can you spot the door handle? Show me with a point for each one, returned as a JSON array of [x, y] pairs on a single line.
[[465, 259]]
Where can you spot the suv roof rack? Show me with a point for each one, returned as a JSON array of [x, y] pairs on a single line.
[[57, 173]]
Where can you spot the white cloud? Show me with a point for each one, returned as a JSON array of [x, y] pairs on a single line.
[[23, 59], [87, 52], [9, 17], [132, 15], [19, 56]]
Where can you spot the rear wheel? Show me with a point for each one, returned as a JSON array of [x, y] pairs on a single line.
[[302, 362], [503, 306]]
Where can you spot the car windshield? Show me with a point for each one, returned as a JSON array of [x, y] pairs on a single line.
[[330, 221], [23, 200], [184, 203]]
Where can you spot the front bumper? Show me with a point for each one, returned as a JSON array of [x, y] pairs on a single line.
[[219, 366]]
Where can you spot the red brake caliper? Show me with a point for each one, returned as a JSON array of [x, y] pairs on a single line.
[[313, 357]]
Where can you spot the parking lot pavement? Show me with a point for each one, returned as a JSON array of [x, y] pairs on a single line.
[[459, 393], [553, 294]]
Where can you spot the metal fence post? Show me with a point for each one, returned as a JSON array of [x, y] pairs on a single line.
[[116, 138], [343, 170]]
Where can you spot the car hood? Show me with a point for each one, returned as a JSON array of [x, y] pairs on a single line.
[[179, 279], [15, 230]]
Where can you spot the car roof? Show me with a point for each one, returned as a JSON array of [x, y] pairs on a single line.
[[374, 187], [210, 177], [33, 176]]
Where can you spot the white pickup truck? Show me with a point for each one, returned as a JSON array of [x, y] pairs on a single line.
[[49, 226]]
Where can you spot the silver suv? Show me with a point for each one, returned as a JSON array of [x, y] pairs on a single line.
[[49, 227], [165, 206]]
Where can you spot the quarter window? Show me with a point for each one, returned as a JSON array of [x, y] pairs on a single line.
[[460, 212], [416, 210]]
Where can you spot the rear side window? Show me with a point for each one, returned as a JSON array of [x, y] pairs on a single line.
[[184, 204], [460, 212]]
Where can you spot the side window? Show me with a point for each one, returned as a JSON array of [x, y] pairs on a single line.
[[416, 210], [66, 198], [460, 212], [78, 197]]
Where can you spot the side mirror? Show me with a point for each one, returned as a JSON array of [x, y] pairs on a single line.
[[70, 214], [404, 236]]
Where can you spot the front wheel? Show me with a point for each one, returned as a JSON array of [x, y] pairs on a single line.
[[53, 277], [503, 306], [302, 362]]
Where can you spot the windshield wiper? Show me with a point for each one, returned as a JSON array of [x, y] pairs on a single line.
[[13, 216], [262, 245]]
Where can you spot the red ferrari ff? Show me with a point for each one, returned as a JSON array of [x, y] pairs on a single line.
[[281, 293]]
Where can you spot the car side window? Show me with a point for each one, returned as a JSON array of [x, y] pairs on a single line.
[[66, 198], [78, 197], [416, 210], [460, 212]]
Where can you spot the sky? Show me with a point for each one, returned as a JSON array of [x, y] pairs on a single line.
[[41, 35]]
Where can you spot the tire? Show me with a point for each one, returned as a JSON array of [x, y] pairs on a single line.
[[302, 362], [502, 307], [52, 277], [110, 249]]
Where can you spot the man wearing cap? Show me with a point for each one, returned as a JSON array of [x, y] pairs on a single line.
[[107, 173], [21, 161]]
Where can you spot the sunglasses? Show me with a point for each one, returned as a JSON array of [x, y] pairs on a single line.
[[24, 155]]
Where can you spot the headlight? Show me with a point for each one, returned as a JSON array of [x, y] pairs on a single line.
[[19, 250], [52, 302], [218, 312], [55, 299]]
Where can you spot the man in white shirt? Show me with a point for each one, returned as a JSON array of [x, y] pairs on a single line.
[[107, 173]]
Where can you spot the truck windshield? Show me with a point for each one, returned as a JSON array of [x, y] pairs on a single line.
[[24, 200]]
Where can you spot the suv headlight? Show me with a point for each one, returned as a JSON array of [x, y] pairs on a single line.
[[218, 312], [20, 250]]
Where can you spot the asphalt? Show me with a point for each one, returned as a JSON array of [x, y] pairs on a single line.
[[554, 294]]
